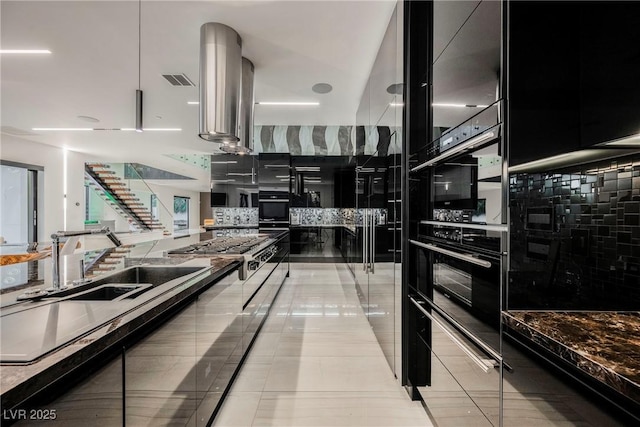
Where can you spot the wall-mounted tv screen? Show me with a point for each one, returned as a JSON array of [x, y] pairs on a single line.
[[218, 199]]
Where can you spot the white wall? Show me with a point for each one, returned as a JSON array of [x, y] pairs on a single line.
[[165, 196], [52, 214]]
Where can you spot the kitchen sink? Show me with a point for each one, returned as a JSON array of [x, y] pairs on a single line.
[[111, 292], [106, 288], [146, 274]]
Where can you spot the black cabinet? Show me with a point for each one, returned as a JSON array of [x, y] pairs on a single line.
[[544, 90], [609, 70], [573, 76]]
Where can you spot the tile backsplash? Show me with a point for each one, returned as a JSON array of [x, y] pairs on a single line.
[[332, 216], [575, 237], [235, 216]]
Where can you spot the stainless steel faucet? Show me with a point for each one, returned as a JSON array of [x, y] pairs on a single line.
[[55, 250]]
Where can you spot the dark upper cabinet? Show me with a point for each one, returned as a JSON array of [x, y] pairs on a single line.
[[543, 93], [573, 76], [609, 71], [234, 182]]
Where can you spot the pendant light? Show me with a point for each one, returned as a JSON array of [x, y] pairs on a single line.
[[139, 91]]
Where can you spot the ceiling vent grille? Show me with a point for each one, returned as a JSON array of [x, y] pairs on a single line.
[[178, 80]]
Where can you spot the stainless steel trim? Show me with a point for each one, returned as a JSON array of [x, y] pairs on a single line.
[[486, 365], [487, 227], [463, 257], [483, 137], [274, 200]]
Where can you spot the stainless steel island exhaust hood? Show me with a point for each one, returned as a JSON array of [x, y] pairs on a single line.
[[220, 80], [245, 120]]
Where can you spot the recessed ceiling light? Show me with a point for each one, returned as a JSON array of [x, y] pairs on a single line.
[[61, 129], [459, 105], [322, 88], [288, 103], [25, 51], [193, 102], [88, 119], [105, 129], [155, 129]]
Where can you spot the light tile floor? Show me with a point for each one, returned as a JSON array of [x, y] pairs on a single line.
[[316, 362]]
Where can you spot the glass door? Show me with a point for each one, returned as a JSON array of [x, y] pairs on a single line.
[[19, 204], [18, 217]]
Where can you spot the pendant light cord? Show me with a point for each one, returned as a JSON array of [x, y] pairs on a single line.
[[139, 38]]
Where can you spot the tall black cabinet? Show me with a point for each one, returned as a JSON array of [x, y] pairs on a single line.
[[522, 180]]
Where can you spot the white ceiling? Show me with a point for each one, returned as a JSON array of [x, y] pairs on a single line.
[[93, 68]]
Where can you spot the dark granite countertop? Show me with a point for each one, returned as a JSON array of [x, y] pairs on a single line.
[[605, 345], [19, 381]]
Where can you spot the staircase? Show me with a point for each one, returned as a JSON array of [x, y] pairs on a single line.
[[106, 260], [119, 196]]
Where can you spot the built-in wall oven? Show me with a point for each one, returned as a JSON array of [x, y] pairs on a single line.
[[455, 273], [273, 209]]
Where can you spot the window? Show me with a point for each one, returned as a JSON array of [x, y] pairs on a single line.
[[155, 214], [180, 213]]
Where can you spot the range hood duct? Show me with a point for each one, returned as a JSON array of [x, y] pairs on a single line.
[[247, 104], [220, 74]]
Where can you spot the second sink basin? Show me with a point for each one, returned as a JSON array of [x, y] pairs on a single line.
[[111, 292]]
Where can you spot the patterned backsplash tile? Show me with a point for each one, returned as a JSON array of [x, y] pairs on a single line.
[[333, 216], [235, 216]]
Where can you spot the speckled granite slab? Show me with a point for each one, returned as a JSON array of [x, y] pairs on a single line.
[[605, 345]]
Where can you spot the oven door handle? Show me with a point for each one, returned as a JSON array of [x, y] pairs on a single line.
[[463, 257], [486, 365], [365, 240], [373, 244]]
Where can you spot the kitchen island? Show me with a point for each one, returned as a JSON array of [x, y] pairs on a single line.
[[215, 334]]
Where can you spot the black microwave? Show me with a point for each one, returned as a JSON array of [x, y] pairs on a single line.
[[456, 184]]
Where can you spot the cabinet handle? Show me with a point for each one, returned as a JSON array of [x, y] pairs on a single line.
[[482, 138], [485, 364], [463, 257], [373, 246]]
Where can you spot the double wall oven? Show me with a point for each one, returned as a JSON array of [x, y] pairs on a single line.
[[456, 241]]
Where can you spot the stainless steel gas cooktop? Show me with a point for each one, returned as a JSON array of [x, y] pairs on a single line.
[[222, 245]]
